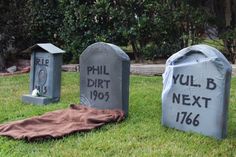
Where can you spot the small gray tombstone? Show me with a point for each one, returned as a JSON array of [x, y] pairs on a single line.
[[45, 74], [196, 87], [104, 77]]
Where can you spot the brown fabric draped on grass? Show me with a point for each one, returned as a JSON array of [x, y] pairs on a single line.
[[55, 124]]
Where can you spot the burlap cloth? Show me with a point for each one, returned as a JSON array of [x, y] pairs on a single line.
[[76, 118]]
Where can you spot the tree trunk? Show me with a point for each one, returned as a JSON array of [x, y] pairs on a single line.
[[2, 63], [219, 9], [135, 51], [233, 25], [228, 15], [230, 46], [233, 13]]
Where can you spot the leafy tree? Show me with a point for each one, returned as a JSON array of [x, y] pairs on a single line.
[[85, 22], [45, 19], [159, 28], [154, 28], [224, 17], [75, 30], [26, 22], [13, 33], [228, 33]]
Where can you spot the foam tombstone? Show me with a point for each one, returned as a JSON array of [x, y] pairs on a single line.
[[104, 77], [196, 87], [45, 74]]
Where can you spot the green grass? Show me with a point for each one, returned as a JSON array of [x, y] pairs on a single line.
[[217, 43], [141, 134]]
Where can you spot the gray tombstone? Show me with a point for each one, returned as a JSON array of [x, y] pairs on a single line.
[[45, 74], [196, 87], [104, 77]]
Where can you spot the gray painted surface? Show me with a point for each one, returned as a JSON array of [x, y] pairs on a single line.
[[36, 100], [48, 47], [104, 77], [45, 75], [196, 86]]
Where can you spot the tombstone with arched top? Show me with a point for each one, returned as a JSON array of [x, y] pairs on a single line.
[[196, 87], [104, 77]]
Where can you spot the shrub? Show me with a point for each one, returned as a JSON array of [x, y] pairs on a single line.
[[13, 35]]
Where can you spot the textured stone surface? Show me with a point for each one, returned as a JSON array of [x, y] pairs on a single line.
[[196, 86], [11, 69], [104, 77]]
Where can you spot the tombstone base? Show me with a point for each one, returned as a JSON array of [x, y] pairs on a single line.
[[38, 100]]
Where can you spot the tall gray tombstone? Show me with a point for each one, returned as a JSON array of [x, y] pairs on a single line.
[[45, 73], [104, 77], [196, 87]]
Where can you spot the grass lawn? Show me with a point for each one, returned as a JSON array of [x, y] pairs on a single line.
[[141, 134]]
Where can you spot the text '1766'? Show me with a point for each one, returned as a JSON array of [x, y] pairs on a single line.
[[192, 100]]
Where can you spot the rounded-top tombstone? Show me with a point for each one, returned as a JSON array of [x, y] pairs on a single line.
[[196, 87], [104, 77]]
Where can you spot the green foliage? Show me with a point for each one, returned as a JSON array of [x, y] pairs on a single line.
[[230, 34], [13, 34], [164, 25], [26, 22], [84, 23], [76, 26], [141, 134], [154, 28], [45, 19], [225, 20], [229, 38]]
